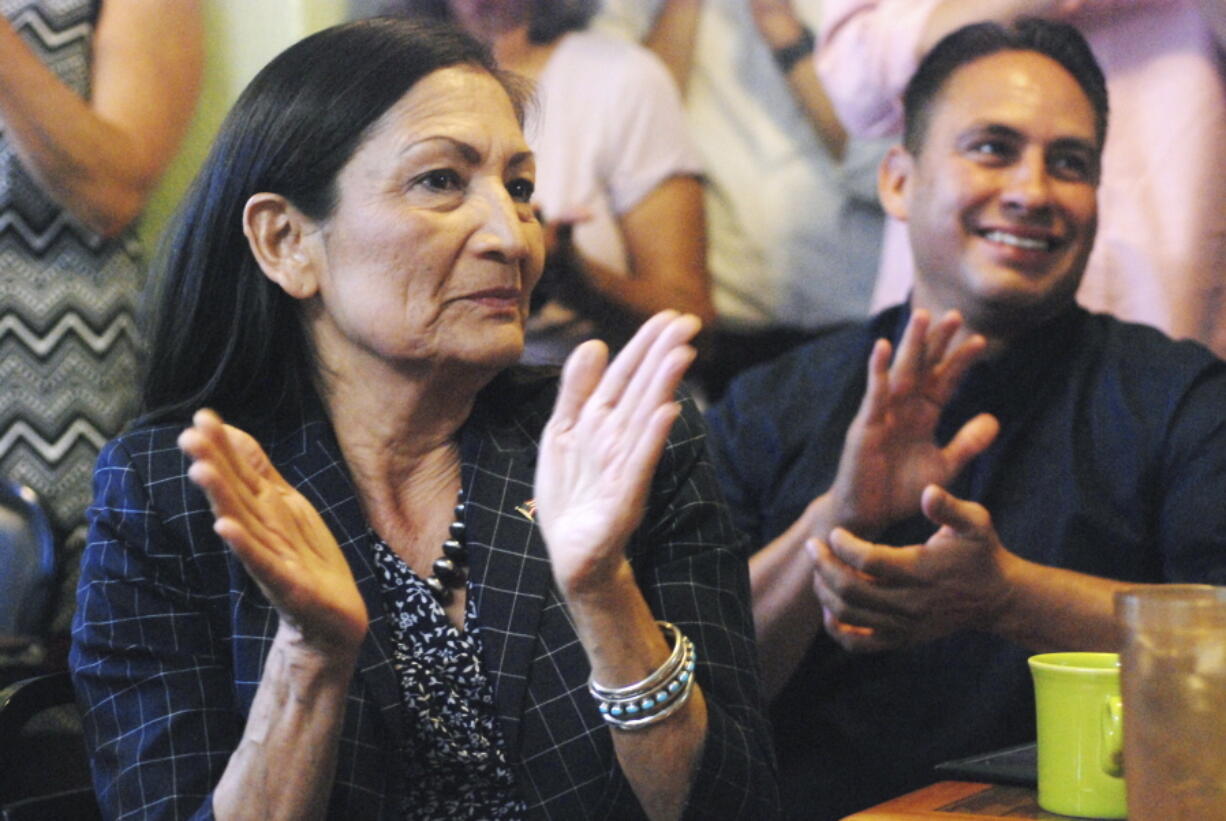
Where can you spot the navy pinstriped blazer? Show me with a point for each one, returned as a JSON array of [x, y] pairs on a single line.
[[171, 634]]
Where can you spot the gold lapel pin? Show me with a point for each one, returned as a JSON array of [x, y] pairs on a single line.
[[527, 510]]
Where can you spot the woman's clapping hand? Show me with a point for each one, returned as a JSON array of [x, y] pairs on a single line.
[[601, 446], [277, 534]]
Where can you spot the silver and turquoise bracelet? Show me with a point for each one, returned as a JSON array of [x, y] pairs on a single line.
[[656, 697]]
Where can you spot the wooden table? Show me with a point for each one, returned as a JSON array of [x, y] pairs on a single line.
[[958, 800]]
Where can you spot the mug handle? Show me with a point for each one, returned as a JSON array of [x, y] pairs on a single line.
[[1111, 751]]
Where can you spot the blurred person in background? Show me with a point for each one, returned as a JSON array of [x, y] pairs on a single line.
[[793, 223], [94, 98]]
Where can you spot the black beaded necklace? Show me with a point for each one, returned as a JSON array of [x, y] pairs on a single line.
[[449, 569]]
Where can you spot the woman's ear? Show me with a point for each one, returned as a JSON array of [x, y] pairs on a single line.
[[893, 175], [282, 238]]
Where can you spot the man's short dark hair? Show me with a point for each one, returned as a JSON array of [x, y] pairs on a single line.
[[1059, 41]]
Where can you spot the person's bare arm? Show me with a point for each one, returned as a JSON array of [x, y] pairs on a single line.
[[878, 597], [101, 158], [953, 14], [665, 236], [286, 759], [780, 27], [672, 37], [787, 613]]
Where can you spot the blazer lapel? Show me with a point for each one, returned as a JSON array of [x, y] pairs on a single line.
[[509, 567], [508, 562], [310, 460]]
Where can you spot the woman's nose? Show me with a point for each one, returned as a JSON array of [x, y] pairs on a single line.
[[505, 227]]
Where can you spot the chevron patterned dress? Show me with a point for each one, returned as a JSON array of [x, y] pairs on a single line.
[[68, 348]]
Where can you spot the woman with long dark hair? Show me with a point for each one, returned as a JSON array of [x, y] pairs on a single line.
[[403, 578]]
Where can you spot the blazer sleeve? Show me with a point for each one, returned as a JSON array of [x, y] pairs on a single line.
[[157, 702], [692, 567]]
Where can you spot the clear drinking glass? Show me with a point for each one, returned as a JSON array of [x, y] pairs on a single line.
[[1173, 683]]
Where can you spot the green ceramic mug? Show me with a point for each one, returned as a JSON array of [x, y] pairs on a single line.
[[1080, 736]]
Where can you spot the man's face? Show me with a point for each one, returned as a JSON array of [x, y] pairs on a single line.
[[1000, 200]]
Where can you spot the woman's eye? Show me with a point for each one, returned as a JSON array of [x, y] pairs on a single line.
[[442, 179], [521, 189]]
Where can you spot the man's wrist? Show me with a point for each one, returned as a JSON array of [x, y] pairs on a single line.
[[836, 508], [820, 517], [1002, 618]]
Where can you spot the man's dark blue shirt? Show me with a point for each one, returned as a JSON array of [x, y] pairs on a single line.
[[1111, 461]]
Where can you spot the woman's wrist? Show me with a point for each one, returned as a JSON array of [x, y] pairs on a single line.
[[600, 588], [313, 657], [617, 629], [655, 697]]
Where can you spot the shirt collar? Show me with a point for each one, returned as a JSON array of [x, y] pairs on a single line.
[[1007, 383]]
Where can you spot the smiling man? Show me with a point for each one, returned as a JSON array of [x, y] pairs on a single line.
[[1003, 465]]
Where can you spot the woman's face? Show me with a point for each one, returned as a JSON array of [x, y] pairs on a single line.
[[432, 250]]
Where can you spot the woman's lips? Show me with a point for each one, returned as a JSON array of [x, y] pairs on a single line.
[[497, 297]]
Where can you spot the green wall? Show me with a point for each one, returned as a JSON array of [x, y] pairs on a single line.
[[240, 37]]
